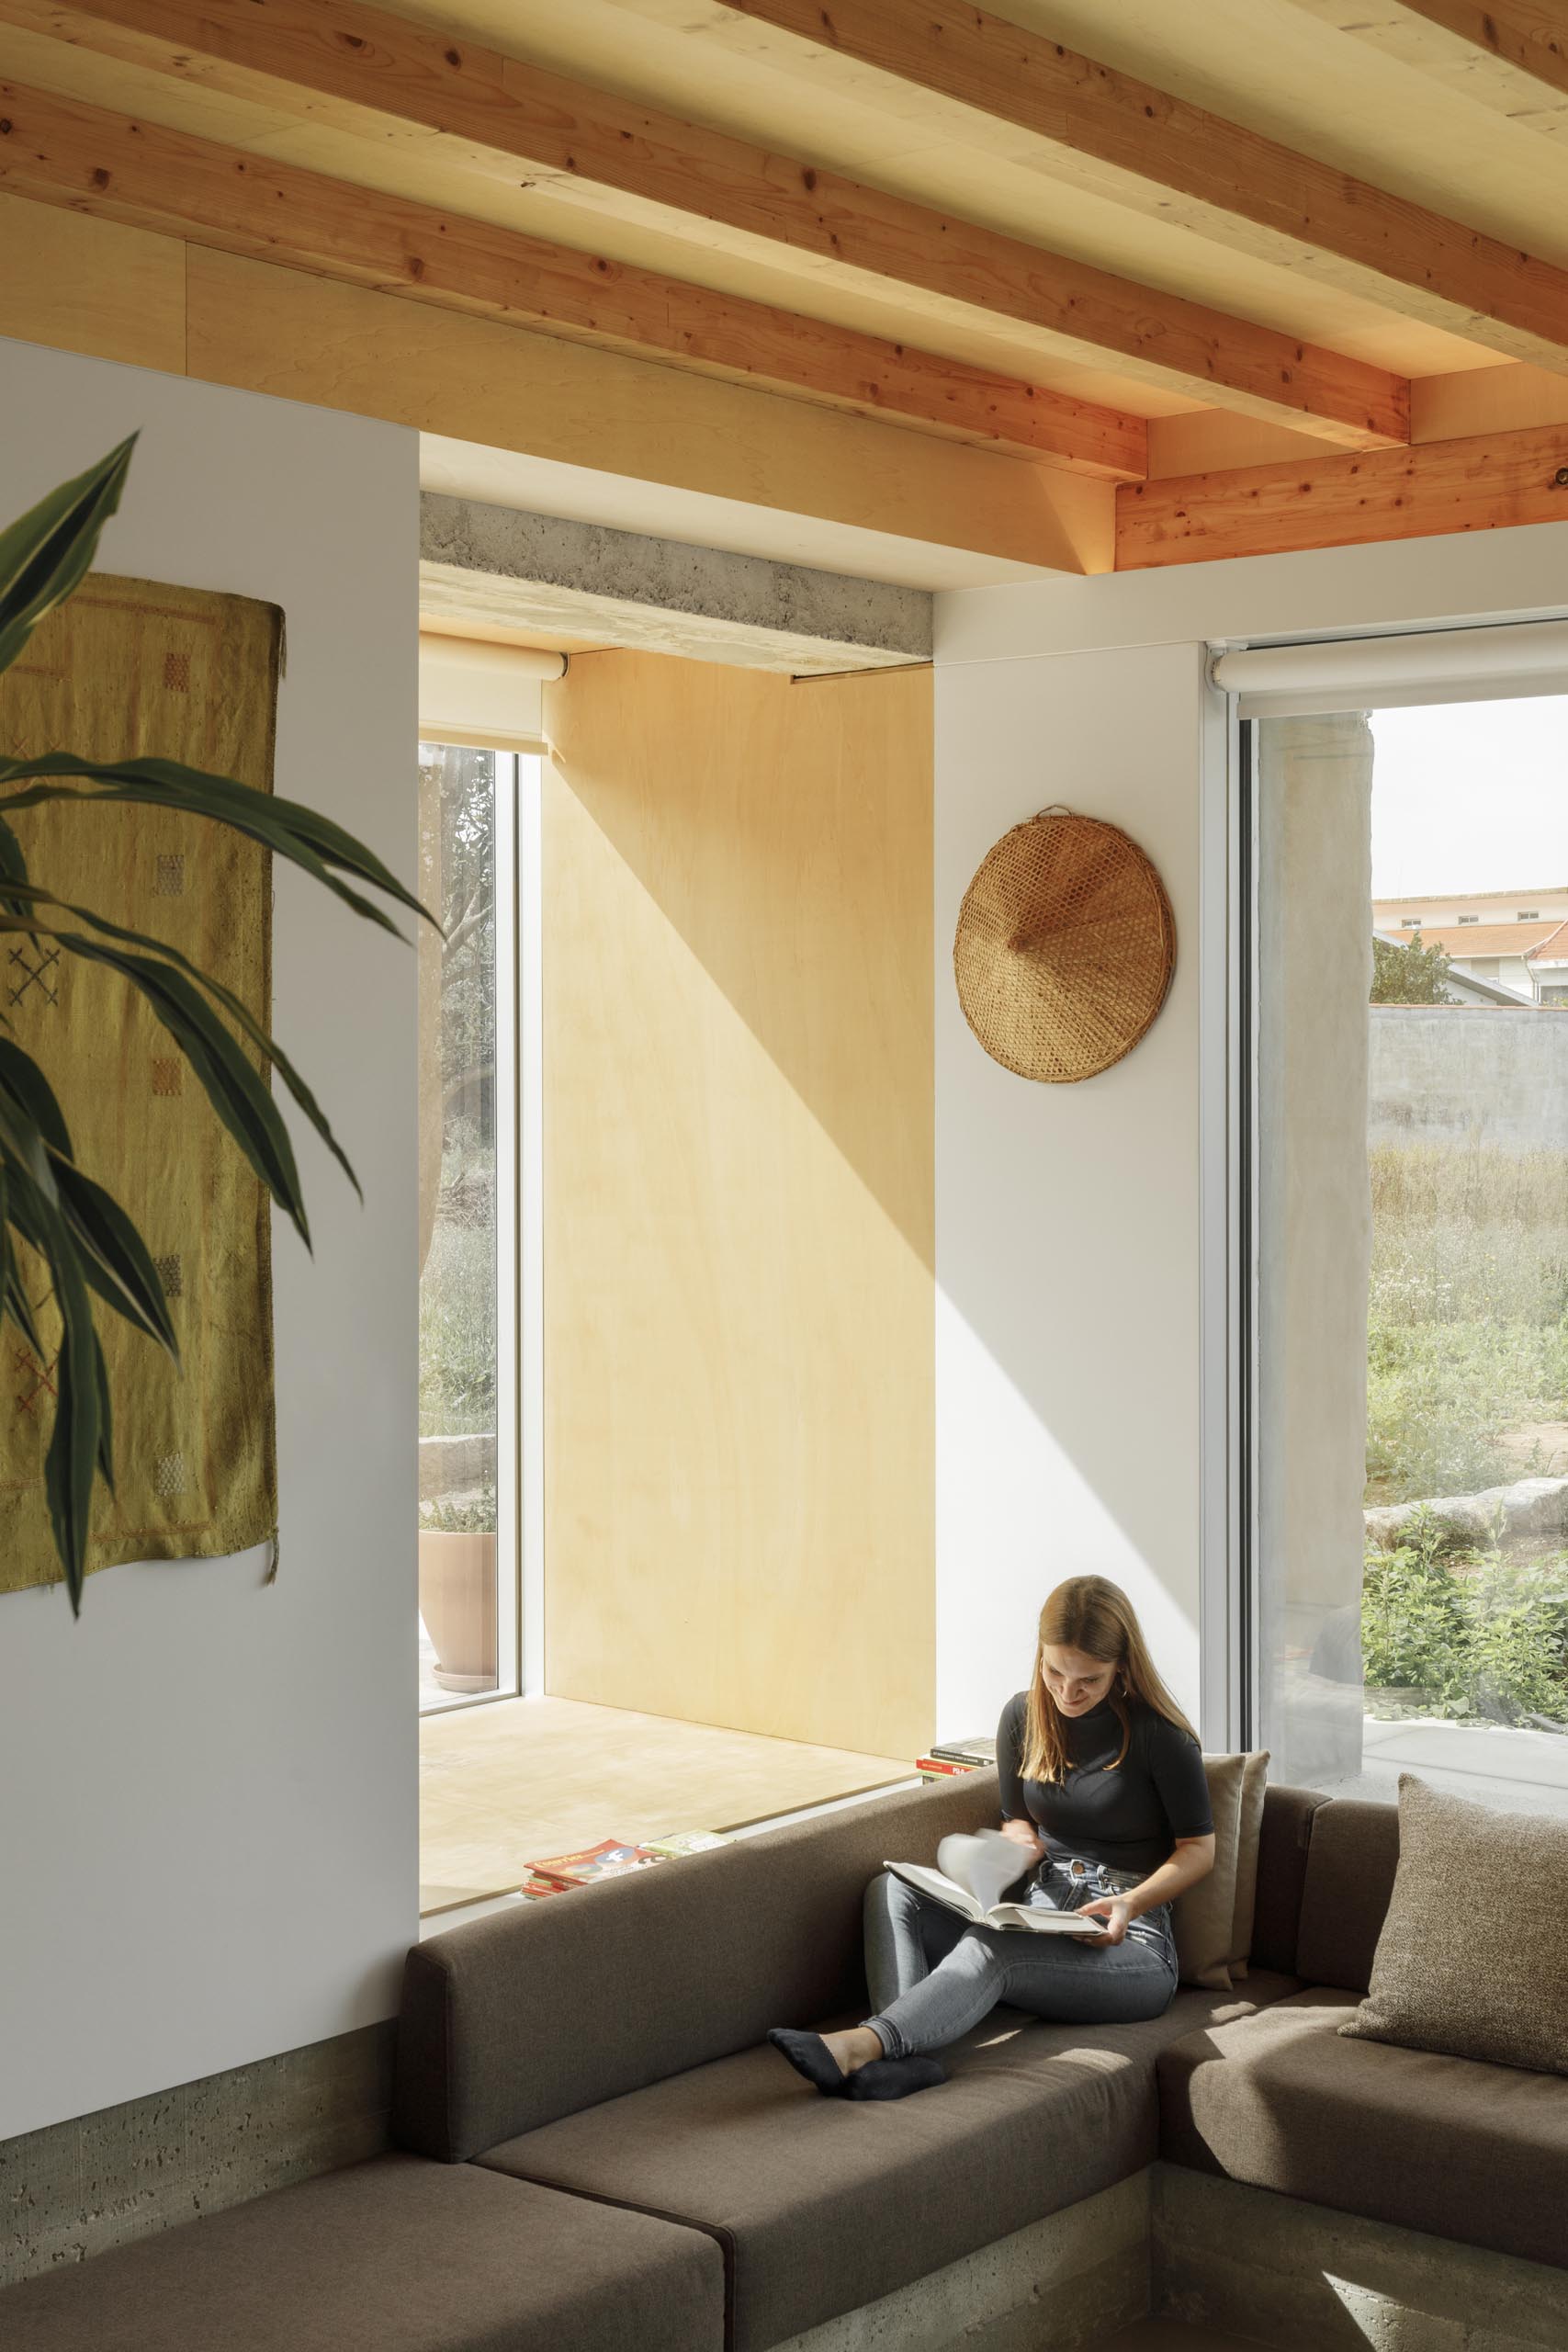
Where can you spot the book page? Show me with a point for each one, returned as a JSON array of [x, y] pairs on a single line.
[[1041, 1922], [985, 1864], [943, 1890]]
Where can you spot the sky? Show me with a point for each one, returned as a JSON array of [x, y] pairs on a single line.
[[1471, 797]]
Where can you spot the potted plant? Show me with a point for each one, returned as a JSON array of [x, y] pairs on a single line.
[[457, 1590]]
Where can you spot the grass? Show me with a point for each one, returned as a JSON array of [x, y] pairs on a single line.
[[1467, 1341], [1467, 1314]]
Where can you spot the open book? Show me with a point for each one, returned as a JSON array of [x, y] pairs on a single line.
[[969, 1879]]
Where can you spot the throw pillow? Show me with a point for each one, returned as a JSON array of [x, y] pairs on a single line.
[[1472, 1960], [1205, 1918], [1253, 1789]]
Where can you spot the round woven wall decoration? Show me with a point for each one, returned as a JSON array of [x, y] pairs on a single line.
[[1065, 949]]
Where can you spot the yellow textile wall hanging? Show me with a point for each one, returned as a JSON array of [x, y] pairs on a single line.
[[130, 667]]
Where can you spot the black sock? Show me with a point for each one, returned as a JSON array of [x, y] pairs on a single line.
[[895, 2077], [810, 2056]]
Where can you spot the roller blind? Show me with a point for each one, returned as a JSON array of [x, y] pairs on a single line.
[[492, 695], [1376, 673]]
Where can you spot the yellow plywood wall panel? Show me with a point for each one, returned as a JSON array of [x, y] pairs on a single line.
[[738, 1134], [81, 285]]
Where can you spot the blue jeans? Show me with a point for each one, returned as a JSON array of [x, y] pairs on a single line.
[[933, 1976]]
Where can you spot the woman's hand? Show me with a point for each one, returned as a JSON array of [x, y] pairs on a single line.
[[1115, 1910], [1024, 1836]]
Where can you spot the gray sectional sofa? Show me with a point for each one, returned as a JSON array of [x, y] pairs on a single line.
[[598, 2154]]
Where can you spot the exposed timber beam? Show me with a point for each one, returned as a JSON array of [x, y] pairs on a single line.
[[362, 69], [1508, 55], [1158, 155], [1483, 484], [57, 151]]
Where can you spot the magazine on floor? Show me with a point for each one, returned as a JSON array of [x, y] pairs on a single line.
[[972, 1874]]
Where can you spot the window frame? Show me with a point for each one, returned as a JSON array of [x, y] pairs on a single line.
[[519, 1229]]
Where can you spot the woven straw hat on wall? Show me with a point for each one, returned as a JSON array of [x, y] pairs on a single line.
[[1065, 949]]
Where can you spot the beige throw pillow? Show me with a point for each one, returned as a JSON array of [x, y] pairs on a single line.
[[1254, 1787], [1208, 1917], [1472, 1960]]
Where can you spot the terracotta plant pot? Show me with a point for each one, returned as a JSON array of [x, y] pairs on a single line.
[[456, 1600]]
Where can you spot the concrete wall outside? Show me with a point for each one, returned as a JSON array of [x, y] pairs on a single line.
[[1471, 1076]]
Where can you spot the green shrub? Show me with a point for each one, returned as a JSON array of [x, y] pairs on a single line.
[[476, 1517], [1486, 1645], [458, 1332], [1414, 1632]]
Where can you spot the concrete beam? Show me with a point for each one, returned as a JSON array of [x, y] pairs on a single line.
[[584, 582]]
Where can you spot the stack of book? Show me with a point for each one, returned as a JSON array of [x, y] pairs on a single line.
[[611, 1859], [952, 1756]]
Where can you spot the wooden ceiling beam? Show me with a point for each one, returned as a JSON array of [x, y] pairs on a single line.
[[1484, 483], [1510, 56], [57, 151], [1156, 154], [360, 68]]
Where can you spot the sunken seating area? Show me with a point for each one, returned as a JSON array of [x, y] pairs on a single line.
[[597, 2149]]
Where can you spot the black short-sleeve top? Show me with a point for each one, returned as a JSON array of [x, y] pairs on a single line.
[[1128, 1817]]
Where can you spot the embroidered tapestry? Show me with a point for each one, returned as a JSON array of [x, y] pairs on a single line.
[[127, 667]]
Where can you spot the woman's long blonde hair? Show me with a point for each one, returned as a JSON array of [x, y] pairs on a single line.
[[1091, 1614]]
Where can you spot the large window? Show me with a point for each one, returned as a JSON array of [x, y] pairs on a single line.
[[469, 1223], [1410, 1241]]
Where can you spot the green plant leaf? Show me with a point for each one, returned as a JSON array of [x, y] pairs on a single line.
[[106, 1416], [72, 1461], [236, 1092], [47, 552], [32, 897], [28, 1085], [24, 1144], [14, 1300], [116, 1261], [13, 864], [288, 828]]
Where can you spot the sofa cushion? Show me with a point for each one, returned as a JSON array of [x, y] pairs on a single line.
[[1204, 1919], [826, 2204], [1249, 1829], [1472, 1879], [533, 2013], [1460, 2150], [404, 2255], [1282, 1845], [1351, 1857]]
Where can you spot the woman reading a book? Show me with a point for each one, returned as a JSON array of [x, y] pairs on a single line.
[[1104, 1796]]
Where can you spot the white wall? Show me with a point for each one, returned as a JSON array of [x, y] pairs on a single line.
[[1067, 1292], [208, 1838], [1071, 1222]]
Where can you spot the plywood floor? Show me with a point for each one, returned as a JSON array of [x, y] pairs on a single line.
[[508, 1784]]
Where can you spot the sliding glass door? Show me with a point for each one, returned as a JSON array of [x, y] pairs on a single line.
[[468, 1190], [1409, 1211]]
